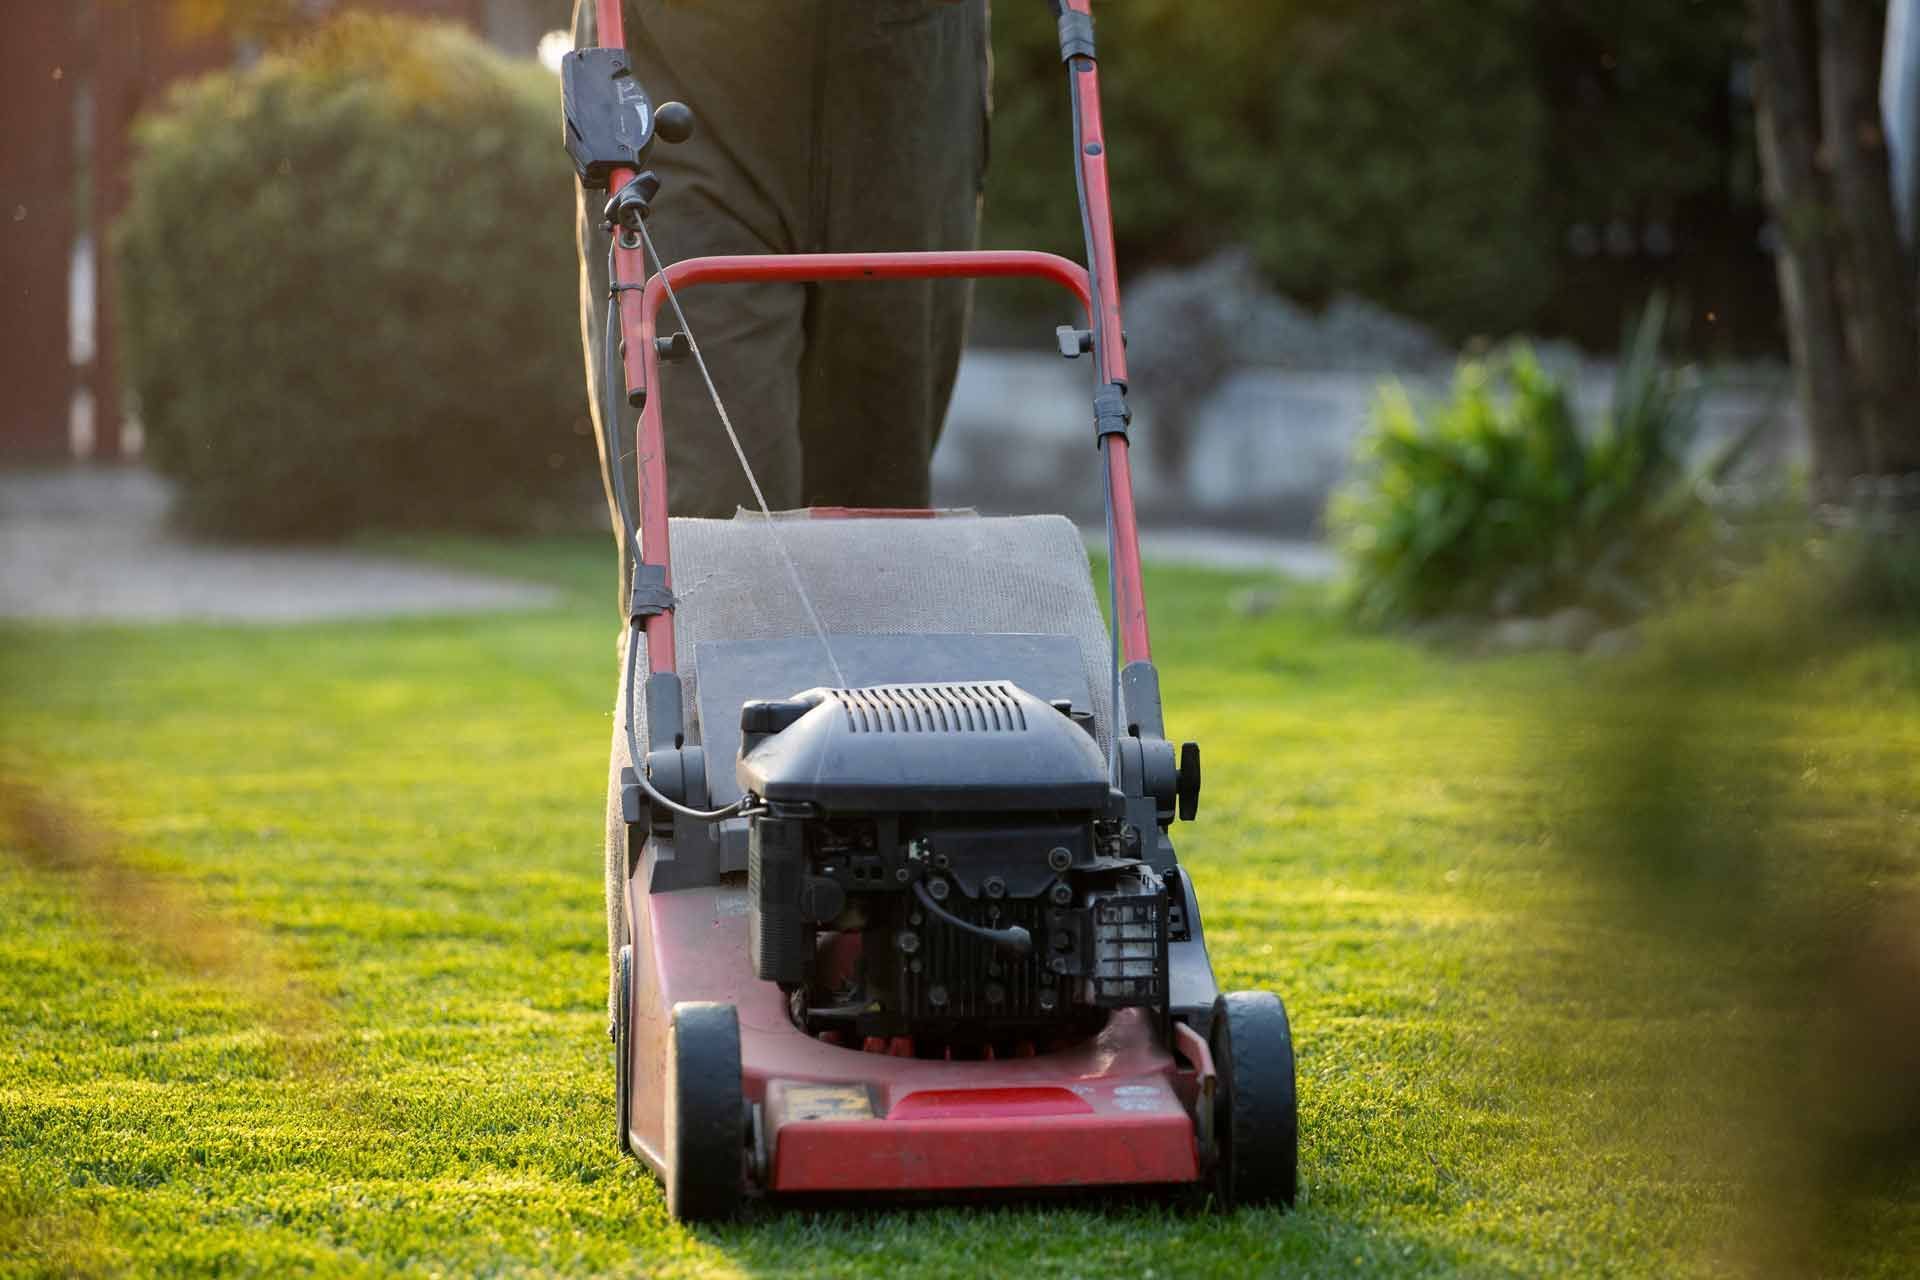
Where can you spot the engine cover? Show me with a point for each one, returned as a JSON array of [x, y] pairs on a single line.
[[970, 837], [920, 748]]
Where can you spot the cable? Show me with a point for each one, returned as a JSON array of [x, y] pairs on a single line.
[[610, 374], [630, 539], [1013, 937], [639, 766], [740, 452], [1095, 320], [1113, 620]]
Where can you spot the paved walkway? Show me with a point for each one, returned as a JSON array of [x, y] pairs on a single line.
[[1203, 548], [92, 543]]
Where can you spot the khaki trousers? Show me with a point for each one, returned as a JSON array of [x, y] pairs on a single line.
[[821, 126]]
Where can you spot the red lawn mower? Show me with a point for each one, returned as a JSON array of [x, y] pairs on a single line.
[[894, 902]]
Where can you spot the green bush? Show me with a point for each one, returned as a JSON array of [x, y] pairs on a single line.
[[1391, 150], [348, 290], [1427, 154], [1878, 571], [1493, 502]]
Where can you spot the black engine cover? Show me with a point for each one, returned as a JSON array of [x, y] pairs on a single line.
[[918, 748]]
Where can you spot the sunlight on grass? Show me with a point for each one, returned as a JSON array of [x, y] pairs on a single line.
[[304, 966]]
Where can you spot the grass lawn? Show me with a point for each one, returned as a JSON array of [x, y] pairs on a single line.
[[302, 968]]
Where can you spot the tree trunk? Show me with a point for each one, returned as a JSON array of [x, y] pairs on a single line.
[[1900, 99], [1876, 276], [1847, 281], [1789, 134]]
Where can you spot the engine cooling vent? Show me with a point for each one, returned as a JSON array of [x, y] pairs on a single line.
[[976, 747], [933, 708]]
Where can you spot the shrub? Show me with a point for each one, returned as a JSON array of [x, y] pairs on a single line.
[[1427, 154], [1878, 572], [348, 289], [1493, 502], [1391, 151], [1812, 600]]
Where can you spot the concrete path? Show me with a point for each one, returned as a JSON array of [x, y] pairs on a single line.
[[1265, 449], [1206, 549], [92, 543]]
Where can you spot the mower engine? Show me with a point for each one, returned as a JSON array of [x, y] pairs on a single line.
[[945, 863]]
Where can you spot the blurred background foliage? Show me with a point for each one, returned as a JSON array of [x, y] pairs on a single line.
[[1752, 938], [1487, 166], [1495, 502], [349, 297]]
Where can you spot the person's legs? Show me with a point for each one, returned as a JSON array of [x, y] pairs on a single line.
[[751, 338], [723, 192], [719, 195], [734, 188], [903, 136], [592, 245]]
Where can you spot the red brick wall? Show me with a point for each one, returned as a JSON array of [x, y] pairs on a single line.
[[136, 53], [36, 226]]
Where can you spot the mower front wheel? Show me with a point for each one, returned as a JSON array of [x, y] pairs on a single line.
[[706, 1115], [1256, 1116]]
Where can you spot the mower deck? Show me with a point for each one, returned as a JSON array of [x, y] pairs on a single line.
[[1112, 1110]]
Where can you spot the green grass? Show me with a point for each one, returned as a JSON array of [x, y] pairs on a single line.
[[302, 968]]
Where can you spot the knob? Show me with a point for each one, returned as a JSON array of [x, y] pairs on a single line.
[[1187, 788], [769, 717], [673, 121]]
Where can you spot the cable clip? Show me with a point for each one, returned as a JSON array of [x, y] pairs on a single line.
[[1111, 413], [649, 594], [630, 204], [1076, 36]]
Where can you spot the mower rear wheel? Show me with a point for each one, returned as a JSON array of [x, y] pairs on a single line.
[[1256, 1116], [706, 1116], [623, 1054]]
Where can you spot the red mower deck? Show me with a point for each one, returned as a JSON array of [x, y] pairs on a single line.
[[1114, 1110]]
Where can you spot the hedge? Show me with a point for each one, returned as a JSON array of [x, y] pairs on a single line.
[[1429, 155], [348, 290]]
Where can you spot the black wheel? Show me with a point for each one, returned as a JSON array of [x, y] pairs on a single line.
[[706, 1118], [623, 1055], [1256, 1112]]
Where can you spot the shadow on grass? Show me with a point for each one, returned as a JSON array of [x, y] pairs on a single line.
[[156, 920], [164, 922]]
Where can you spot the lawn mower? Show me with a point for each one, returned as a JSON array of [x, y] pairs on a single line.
[[893, 902]]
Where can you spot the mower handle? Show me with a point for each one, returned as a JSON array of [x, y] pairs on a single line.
[[1096, 285], [642, 359]]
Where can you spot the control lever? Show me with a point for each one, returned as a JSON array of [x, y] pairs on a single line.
[[1187, 788]]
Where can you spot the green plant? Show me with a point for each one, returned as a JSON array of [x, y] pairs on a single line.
[[1427, 154], [1494, 502], [348, 289], [1390, 150]]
